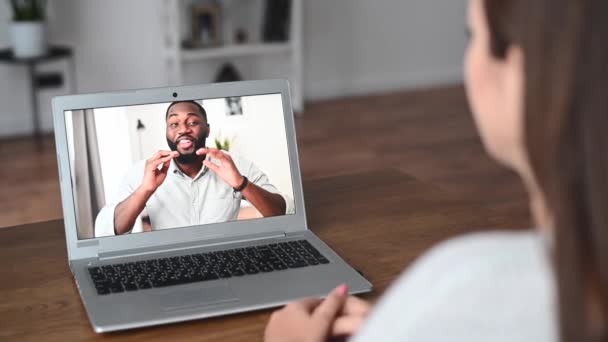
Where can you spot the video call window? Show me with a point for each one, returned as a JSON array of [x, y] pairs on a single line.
[[160, 166]]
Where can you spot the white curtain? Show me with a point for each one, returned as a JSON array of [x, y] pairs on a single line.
[[88, 188]]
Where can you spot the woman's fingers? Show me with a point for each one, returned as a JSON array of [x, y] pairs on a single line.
[[347, 325], [354, 313], [356, 306], [308, 304], [326, 312]]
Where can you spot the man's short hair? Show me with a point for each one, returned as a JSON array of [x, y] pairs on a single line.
[[198, 105]]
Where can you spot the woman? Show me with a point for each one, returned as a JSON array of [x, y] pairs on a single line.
[[536, 76]]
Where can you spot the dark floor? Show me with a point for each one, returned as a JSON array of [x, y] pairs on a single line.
[[428, 134]]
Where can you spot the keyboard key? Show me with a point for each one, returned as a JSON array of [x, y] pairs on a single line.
[[238, 272], [98, 277], [116, 287], [103, 291], [321, 259], [209, 276], [251, 270], [297, 264], [279, 267], [130, 286], [265, 268], [224, 274], [108, 269], [102, 287], [311, 261], [95, 270], [144, 284], [160, 282]]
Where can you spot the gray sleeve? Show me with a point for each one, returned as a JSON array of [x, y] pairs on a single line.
[[104, 223]]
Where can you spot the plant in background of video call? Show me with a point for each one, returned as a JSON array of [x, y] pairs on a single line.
[[223, 143]]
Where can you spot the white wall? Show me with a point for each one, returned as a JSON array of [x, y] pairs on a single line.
[[118, 43], [360, 46], [350, 47], [151, 139]]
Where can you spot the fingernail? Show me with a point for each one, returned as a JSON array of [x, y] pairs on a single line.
[[343, 290]]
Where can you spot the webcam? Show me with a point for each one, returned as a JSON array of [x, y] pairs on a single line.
[[174, 94]]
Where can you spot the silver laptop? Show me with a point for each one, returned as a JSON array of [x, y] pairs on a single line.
[[183, 203]]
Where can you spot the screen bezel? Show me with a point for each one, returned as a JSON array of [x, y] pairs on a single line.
[[88, 248]]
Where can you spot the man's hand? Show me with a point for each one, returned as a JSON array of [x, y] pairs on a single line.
[[309, 320], [153, 176], [266, 202], [226, 168], [126, 212]]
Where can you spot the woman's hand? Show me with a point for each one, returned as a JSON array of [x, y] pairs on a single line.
[[309, 320], [351, 318]]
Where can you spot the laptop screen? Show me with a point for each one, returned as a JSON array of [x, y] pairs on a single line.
[[158, 166]]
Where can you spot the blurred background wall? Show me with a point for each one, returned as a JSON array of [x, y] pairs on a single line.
[[350, 47]]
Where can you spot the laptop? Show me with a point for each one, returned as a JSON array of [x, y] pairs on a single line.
[[154, 238]]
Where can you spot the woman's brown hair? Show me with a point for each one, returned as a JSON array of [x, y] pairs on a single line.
[[565, 47]]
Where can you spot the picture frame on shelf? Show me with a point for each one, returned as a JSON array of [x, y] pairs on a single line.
[[206, 26], [234, 106]]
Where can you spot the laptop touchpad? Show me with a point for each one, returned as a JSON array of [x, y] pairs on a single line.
[[192, 299]]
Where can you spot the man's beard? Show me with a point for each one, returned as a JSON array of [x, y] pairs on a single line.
[[189, 158]]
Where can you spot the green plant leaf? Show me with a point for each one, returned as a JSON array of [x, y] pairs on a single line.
[[28, 10], [15, 11]]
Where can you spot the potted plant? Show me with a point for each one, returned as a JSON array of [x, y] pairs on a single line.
[[28, 34], [224, 143]]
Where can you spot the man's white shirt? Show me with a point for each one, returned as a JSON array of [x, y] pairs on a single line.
[[181, 201]]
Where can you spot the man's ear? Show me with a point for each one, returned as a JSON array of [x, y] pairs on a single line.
[[208, 131]]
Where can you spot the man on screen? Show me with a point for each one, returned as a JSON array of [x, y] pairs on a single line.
[[190, 184]]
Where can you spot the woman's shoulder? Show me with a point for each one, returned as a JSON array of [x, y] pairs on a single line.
[[485, 284], [486, 262], [480, 250]]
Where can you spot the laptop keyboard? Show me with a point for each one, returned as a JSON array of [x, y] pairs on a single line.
[[192, 268]]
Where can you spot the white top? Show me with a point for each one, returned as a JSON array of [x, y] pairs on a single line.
[[485, 287], [181, 201]]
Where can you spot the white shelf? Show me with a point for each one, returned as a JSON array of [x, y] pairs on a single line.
[[288, 64], [234, 51]]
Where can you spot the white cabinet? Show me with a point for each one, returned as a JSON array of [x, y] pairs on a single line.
[[253, 59]]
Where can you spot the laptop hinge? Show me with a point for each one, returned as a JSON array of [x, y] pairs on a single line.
[[185, 245]]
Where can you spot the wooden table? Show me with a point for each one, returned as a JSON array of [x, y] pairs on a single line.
[[378, 221]]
